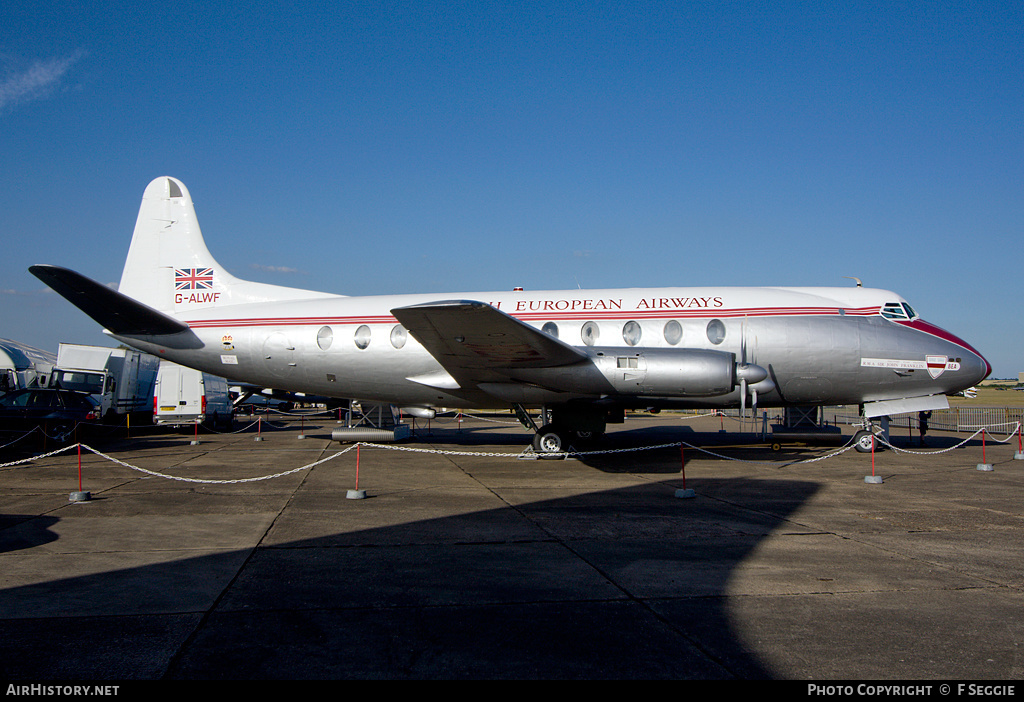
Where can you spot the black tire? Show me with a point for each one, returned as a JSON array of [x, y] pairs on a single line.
[[862, 441], [550, 439]]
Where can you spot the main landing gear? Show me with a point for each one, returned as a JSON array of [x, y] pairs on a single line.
[[552, 438], [567, 427]]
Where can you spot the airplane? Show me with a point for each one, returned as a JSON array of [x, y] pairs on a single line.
[[583, 357]]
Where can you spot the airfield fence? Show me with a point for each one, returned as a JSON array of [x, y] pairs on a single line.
[[952, 419]]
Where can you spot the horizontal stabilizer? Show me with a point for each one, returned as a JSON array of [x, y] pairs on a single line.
[[119, 314]]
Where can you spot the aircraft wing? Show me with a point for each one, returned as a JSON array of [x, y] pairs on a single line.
[[117, 313], [473, 340]]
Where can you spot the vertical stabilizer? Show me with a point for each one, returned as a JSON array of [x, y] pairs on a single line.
[[169, 267], [168, 263]]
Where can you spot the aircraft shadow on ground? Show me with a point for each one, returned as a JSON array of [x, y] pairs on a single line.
[[662, 449], [34, 531], [625, 583]]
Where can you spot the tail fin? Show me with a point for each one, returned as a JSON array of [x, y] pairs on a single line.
[[169, 267], [168, 255]]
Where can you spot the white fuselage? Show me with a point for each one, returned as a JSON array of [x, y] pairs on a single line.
[[822, 345]]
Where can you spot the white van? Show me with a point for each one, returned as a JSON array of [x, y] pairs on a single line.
[[187, 396]]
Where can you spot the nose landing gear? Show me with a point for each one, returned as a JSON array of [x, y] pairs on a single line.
[[869, 437], [863, 440]]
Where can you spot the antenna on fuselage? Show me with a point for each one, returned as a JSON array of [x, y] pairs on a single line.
[[859, 284]]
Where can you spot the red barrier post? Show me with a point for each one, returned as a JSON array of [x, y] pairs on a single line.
[[684, 492], [873, 479], [81, 495], [682, 464], [356, 494], [984, 465]]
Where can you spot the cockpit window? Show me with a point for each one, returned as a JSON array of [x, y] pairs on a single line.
[[898, 310], [893, 310]]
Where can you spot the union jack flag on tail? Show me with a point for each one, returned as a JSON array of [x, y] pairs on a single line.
[[193, 279]]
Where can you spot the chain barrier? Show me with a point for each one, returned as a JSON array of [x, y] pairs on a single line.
[[488, 419], [247, 427], [575, 454], [1016, 428], [315, 413], [38, 457], [27, 434], [177, 477], [59, 436], [219, 482], [779, 464], [526, 454]]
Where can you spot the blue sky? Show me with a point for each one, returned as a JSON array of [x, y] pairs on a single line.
[[368, 147]]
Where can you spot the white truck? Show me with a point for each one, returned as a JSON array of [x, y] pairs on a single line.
[[187, 396], [121, 380]]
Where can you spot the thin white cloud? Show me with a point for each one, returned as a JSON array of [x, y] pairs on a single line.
[[275, 269], [12, 292], [36, 81]]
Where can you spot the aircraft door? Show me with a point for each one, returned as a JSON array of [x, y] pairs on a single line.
[[279, 356]]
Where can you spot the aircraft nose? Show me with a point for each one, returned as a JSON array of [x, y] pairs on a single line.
[[974, 368], [977, 366]]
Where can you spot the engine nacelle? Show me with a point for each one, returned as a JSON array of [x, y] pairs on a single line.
[[639, 373], [670, 372]]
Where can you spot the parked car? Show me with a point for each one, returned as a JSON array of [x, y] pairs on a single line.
[[55, 411]]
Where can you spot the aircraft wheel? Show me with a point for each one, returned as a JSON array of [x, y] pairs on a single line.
[[863, 440], [549, 439]]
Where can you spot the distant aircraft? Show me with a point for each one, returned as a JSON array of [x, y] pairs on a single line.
[[583, 356]]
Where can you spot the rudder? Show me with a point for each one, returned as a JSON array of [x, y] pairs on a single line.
[[168, 261]]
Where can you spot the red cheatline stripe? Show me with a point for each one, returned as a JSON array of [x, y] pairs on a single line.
[[551, 315]]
